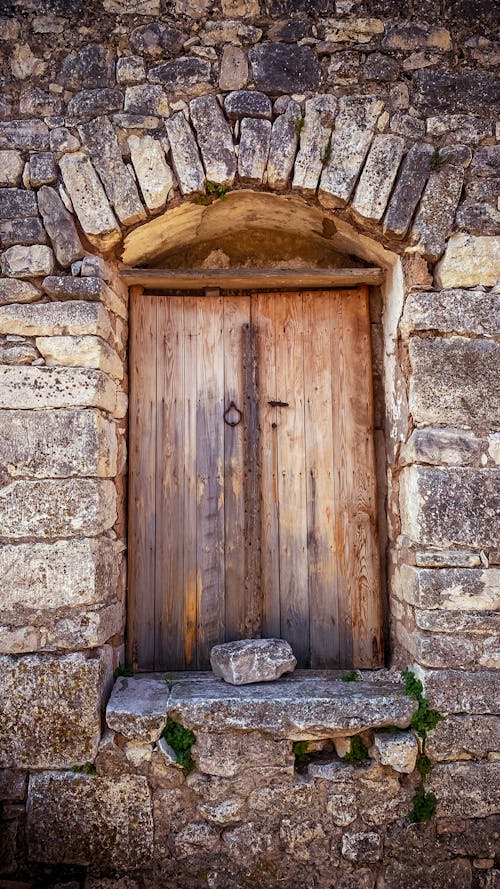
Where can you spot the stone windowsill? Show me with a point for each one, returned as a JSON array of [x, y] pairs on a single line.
[[305, 705]]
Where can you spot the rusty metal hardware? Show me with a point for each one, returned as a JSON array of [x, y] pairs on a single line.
[[232, 407], [278, 403]]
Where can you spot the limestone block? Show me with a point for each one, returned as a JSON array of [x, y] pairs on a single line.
[[469, 261], [314, 138], [233, 753], [452, 311], [436, 213], [399, 751], [484, 623], [451, 589], [410, 183], [18, 353], [463, 128], [380, 170], [454, 381], [464, 737], [247, 103], [57, 508], [42, 169], [458, 691], [27, 262], [12, 785], [448, 558], [467, 90], [153, 173], [11, 167], [138, 707], [255, 139], [230, 31], [82, 819], [156, 39], [351, 138], [92, 66], [233, 68], [132, 7], [16, 202], [196, 839], [146, 98], [283, 68], [414, 872], [95, 102], [215, 139], [77, 630], [100, 138], [413, 36], [452, 505], [55, 319], [49, 387], [283, 147], [130, 70], [51, 715], [89, 200], [80, 351], [362, 846], [60, 227], [185, 155], [478, 218], [89, 287], [476, 782], [354, 29], [61, 140], [22, 231], [185, 75], [453, 447], [37, 101], [28, 135], [252, 660], [57, 444], [13, 291]]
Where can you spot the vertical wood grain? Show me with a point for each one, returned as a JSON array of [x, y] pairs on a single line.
[[142, 483], [189, 631]]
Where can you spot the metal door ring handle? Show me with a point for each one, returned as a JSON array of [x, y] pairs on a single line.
[[232, 407]]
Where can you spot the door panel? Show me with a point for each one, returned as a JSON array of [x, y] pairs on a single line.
[[260, 523]]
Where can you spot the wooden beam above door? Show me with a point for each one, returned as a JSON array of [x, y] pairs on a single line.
[[250, 279]]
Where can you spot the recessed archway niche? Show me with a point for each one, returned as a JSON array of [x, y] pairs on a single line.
[[261, 235]]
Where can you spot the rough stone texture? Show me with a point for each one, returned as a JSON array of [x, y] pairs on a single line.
[[399, 751], [453, 311], [80, 351], [314, 139], [90, 67], [466, 91], [55, 319], [11, 167], [468, 261], [95, 102], [42, 169], [18, 353], [234, 753], [100, 138], [59, 226], [51, 715], [435, 215], [410, 183], [153, 173], [464, 737], [57, 444], [451, 589], [185, 155], [255, 140], [13, 291], [283, 147], [214, 139], [138, 707], [477, 783], [450, 506], [27, 262], [53, 387], [89, 287], [27, 135], [252, 660], [130, 69], [57, 508], [280, 68], [233, 69], [182, 76], [146, 98], [454, 381], [81, 819], [351, 138], [22, 231], [247, 103], [448, 446], [17, 202], [89, 200], [377, 178], [456, 691]]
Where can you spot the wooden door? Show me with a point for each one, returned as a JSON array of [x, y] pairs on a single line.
[[252, 478]]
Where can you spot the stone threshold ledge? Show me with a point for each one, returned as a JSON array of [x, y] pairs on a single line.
[[306, 705]]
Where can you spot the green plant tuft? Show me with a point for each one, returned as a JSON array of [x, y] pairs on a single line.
[[350, 676], [424, 719], [122, 670], [423, 766], [358, 751], [299, 123], [86, 768], [300, 752], [436, 159], [181, 740], [424, 805]]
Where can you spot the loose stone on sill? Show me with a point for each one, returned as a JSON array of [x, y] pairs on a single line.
[[399, 751], [252, 660]]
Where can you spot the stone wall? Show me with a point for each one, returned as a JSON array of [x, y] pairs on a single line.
[[380, 120]]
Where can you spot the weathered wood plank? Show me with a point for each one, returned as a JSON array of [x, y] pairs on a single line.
[[321, 546], [169, 595], [210, 477], [252, 484], [294, 595], [188, 419], [236, 315], [263, 316], [142, 486], [251, 279]]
